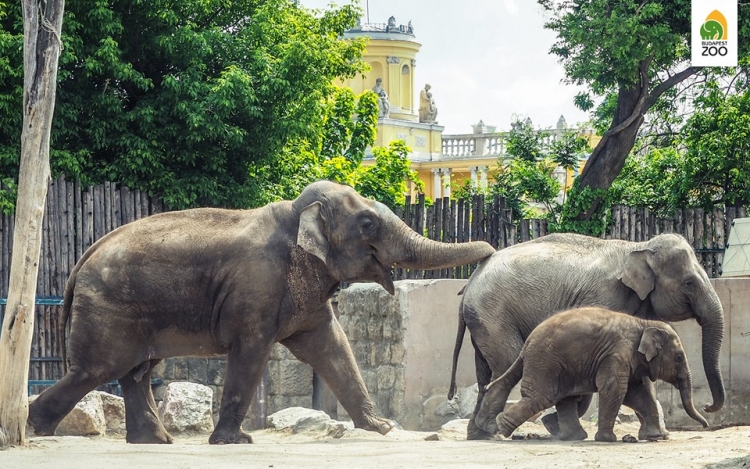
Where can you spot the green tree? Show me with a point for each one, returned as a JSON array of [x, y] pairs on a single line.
[[630, 53], [188, 99], [706, 167]]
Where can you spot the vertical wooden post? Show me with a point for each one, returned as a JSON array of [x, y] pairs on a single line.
[[42, 25]]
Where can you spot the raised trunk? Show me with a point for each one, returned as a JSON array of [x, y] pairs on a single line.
[[686, 394], [403, 247]]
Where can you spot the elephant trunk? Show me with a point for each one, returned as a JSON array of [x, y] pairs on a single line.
[[686, 394], [403, 247], [712, 324]]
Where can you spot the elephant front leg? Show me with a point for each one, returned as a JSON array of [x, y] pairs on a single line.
[[245, 365], [612, 384], [327, 350], [642, 399]]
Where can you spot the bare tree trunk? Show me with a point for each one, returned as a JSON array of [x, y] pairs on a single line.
[[42, 26]]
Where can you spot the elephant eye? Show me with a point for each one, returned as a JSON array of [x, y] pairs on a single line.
[[679, 358], [367, 224]]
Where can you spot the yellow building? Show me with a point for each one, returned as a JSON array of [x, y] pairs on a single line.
[[407, 113]]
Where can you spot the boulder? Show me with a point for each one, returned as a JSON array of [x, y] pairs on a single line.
[[308, 422], [114, 412], [287, 418], [467, 400], [454, 430], [186, 408], [86, 418]]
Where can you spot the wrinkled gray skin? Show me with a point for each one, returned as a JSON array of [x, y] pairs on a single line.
[[520, 286], [590, 350], [208, 282]]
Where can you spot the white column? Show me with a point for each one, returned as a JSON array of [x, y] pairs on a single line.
[[483, 176], [473, 171], [436, 184], [446, 182]]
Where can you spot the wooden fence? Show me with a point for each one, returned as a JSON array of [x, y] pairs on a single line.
[[76, 217], [490, 220]]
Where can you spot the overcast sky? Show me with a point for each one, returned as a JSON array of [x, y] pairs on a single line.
[[485, 59]]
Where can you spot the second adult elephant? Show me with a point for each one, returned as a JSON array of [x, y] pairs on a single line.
[[519, 287]]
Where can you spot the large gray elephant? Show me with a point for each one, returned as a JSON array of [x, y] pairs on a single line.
[[519, 287], [207, 282], [588, 350]]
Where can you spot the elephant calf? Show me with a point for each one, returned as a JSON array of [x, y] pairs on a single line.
[[588, 350]]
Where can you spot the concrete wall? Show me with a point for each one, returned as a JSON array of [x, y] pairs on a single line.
[[404, 345], [422, 317]]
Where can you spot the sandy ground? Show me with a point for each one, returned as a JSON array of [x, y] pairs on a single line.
[[400, 449]]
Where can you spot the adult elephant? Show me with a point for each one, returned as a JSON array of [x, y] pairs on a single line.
[[211, 282], [518, 287]]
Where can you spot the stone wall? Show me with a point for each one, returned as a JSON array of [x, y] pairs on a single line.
[[403, 345]]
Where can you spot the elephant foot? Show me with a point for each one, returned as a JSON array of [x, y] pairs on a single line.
[[226, 437], [578, 434], [39, 424], [608, 436], [149, 438], [377, 424], [652, 434], [487, 423], [552, 425], [505, 426], [475, 433]]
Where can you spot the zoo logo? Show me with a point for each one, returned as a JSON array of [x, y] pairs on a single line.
[[714, 34]]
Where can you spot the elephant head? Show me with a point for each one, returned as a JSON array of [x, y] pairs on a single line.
[[360, 239], [665, 272], [667, 361]]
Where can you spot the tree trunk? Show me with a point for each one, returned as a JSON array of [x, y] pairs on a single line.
[[42, 26], [608, 158]]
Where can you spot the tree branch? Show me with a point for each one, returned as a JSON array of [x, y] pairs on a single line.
[[670, 82]]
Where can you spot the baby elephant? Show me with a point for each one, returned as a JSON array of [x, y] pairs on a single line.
[[587, 350]]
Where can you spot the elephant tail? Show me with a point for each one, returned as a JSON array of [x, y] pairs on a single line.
[[456, 351], [512, 375]]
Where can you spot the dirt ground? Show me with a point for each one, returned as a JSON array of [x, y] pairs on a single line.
[[725, 448]]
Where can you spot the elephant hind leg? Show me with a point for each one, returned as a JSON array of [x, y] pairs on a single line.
[[53, 404], [519, 413], [142, 423], [568, 418]]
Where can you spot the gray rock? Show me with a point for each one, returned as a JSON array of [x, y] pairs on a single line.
[[86, 418], [454, 430], [114, 412], [447, 411], [626, 415], [467, 400], [186, 408], [289, 417]]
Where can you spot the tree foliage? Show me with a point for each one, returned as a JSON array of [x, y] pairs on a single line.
[[706, 167], [629, 54], [191, 100], [526, 179]]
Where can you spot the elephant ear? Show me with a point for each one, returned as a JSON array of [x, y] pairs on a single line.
[[311, 236], [637, 274], [652, 340]]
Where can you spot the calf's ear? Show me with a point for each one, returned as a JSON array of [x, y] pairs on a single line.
[[652, 340]]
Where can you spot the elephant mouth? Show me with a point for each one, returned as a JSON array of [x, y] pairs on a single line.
[[376, 271]]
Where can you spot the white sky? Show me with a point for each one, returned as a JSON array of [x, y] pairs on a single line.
[[485, 59]]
